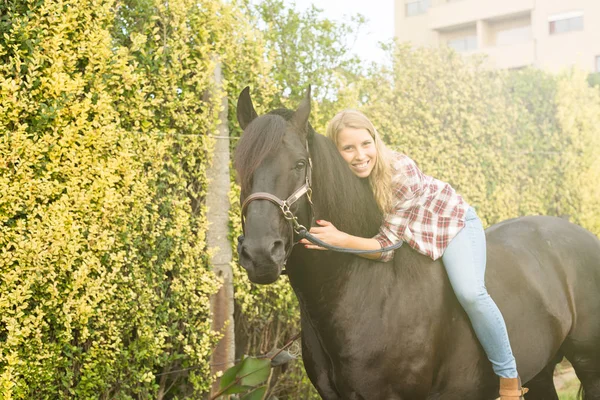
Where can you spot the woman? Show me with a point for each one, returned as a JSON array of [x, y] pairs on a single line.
[[433, 219]]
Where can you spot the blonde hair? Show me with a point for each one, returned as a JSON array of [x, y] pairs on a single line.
[[381, 175]]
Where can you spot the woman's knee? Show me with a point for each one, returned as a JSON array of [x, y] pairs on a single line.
[[472, 298]]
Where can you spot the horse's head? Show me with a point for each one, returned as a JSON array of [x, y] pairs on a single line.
[[273, 166]]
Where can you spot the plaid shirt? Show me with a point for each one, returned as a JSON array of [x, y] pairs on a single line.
[[427, 213]]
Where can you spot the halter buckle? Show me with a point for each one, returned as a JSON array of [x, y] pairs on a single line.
[[285, 209]]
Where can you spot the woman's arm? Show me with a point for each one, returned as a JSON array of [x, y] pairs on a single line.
[[328, 233], [408, 187]]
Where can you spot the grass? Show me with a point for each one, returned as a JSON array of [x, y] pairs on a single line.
[[569, 384], [569, 392]]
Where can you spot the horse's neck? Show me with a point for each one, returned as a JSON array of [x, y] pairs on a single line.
[[316, 280], [327, 283]]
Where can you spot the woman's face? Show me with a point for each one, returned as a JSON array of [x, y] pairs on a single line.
[[357, 147]]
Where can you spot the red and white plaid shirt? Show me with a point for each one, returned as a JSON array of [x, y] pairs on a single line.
[[427, 213]]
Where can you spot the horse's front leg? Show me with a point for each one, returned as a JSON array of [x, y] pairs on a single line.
[[316, 362]]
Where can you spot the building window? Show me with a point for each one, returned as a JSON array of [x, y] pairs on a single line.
[[513, 35], [465, 43], [416, 7], [567, 22], [598, 64]]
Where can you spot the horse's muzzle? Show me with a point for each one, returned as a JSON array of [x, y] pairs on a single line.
[[263, 259]]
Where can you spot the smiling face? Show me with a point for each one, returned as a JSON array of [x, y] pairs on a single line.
[[357, 147]]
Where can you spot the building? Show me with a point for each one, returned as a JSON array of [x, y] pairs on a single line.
[[548, 34]]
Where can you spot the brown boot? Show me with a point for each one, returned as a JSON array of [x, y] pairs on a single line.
[[510, 389]]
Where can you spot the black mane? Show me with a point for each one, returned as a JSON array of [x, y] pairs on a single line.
[[340, 196], [261, 137]]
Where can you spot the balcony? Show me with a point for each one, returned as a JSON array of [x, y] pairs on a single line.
[[447, 15], [510, 56]]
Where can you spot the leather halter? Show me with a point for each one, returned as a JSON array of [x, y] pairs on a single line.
[[284, 206]]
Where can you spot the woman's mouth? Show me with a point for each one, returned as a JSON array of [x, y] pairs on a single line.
[[361, 166]]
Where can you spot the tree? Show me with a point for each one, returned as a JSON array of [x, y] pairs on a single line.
[[308, 49]]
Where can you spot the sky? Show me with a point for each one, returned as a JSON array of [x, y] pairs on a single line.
[[379, 27]]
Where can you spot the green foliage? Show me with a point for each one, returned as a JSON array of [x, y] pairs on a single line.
[[251, 372], [74, 192], [106, 123], [594, 79], [578, 120], [307, 49]]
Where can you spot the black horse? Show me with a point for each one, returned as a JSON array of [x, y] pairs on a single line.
[[373, 330]]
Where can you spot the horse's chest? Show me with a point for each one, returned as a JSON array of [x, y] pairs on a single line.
[[378, 352]]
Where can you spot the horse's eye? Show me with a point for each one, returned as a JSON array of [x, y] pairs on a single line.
[[300, 165]]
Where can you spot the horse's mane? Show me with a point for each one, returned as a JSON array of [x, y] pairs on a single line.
[[339, 196], [261, 137]]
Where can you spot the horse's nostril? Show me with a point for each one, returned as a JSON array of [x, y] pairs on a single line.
[[278, 249], [243, 252]]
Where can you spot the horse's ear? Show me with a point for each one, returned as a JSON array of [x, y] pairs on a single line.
[[300, 118], [245, 108]]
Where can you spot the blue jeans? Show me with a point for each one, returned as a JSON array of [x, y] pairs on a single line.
[[464, 260]]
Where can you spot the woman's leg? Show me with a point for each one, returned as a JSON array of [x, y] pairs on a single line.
[[465, 260]]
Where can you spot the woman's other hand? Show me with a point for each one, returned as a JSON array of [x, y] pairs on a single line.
[[328, 233]]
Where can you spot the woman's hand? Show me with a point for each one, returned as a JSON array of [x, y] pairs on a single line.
[[328, 233], [331, 235]]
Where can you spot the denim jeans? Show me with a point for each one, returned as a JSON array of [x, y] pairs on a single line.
[[465, 259]]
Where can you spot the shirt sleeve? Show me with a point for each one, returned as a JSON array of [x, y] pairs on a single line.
[[407, 184]]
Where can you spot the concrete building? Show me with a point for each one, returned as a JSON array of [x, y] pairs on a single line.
[[548, 34]]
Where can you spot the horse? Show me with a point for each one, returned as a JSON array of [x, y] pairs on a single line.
[[395, 330]]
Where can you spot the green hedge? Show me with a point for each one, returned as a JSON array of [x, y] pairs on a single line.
[[107, 112]]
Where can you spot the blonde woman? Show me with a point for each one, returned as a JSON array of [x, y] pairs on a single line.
[[433, 219]]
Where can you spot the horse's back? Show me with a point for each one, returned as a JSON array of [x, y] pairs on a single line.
[[546, 249], [544, 272]]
